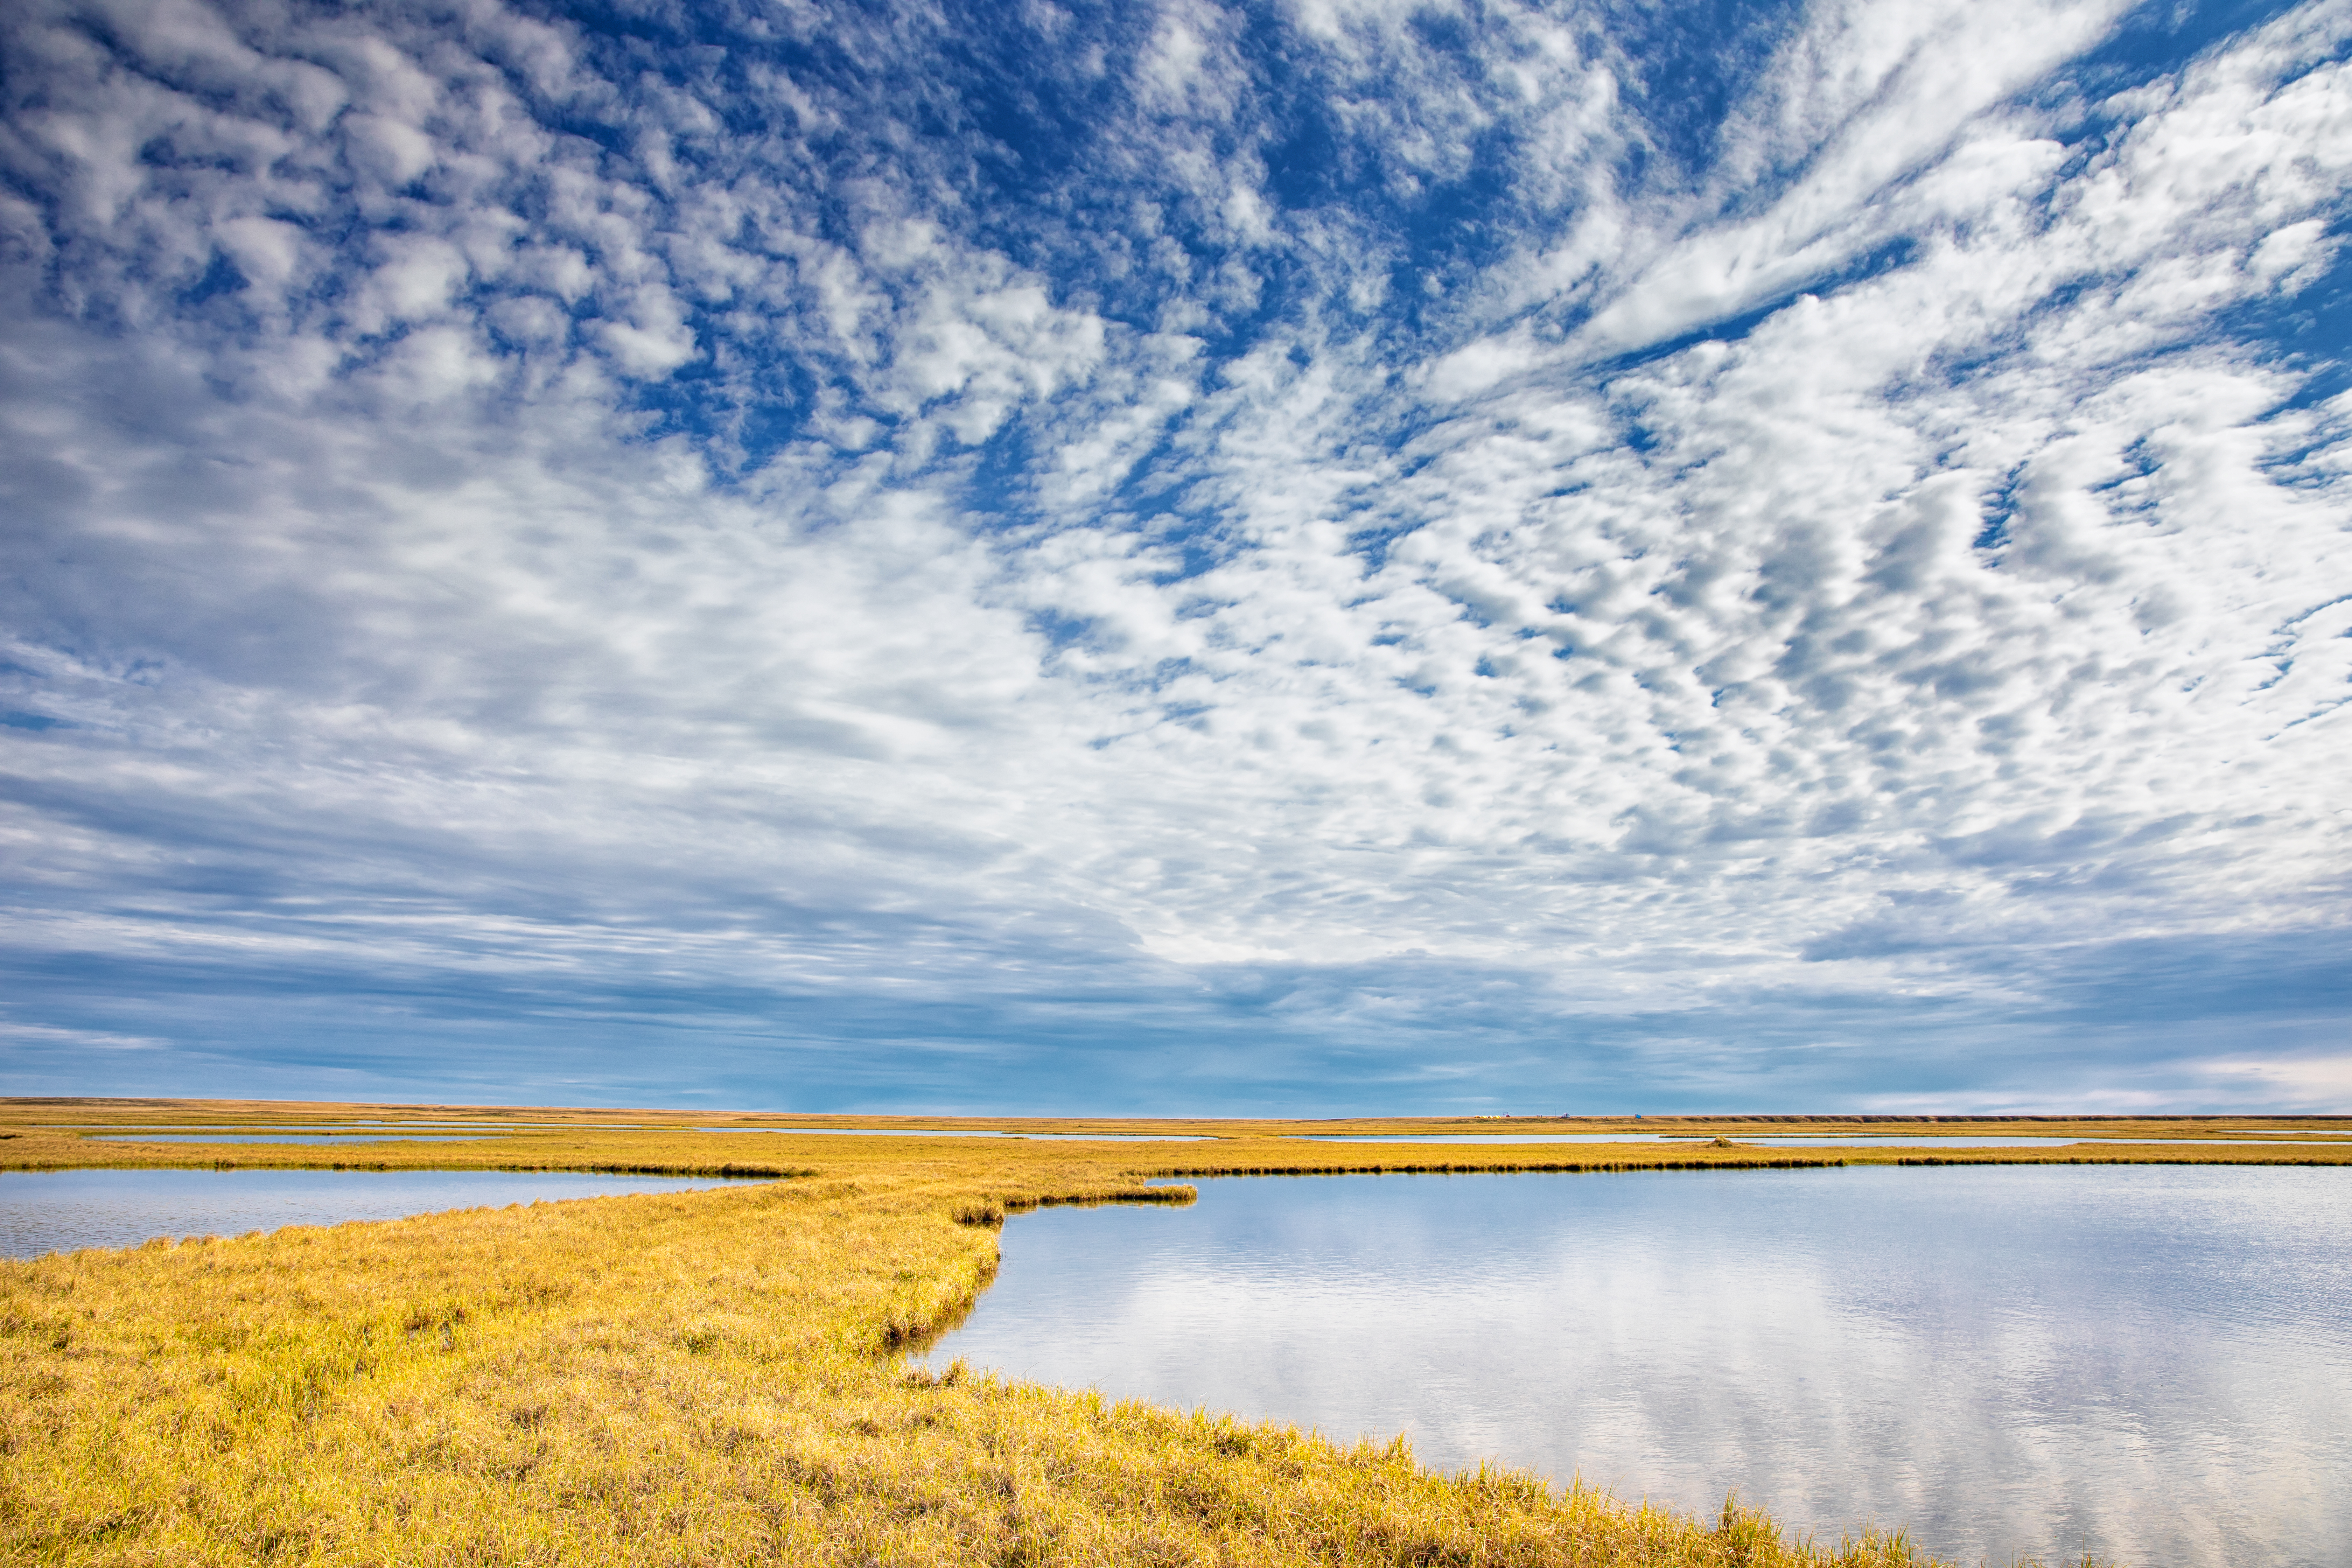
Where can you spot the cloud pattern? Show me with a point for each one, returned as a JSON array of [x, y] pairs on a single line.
[[1516, 557]]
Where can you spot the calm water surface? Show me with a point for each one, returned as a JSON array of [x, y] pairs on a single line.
[[60, 1210], [970, 1132], [319, 1126], [1776, 1141], [351, 1138], [2152, 1363]]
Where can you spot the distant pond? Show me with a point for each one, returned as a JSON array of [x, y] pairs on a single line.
[[61, 1211], [2152, 1363]]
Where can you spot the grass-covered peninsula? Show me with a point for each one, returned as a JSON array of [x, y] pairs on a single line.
[[716, 1377]]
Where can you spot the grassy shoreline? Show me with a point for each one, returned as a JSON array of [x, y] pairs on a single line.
[[715, 1377], [41, 1135]]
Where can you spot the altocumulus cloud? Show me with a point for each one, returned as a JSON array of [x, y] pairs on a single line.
[[1323, 555]]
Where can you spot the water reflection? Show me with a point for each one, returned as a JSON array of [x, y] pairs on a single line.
[[1776, 1140], [347, 1138], [972, 1132], [2149, 1362], [327, 1126], [1695, 1140], [60, 1210]]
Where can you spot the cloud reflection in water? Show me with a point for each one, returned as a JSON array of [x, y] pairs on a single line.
[[2146, 1362]]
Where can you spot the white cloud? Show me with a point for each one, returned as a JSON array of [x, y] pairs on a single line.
[[2320, 1082], [708, 550]]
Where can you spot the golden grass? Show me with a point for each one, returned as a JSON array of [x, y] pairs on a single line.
[[704, 1378], [39, 1135]]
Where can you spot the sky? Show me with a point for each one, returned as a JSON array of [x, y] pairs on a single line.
[[1312, 557]]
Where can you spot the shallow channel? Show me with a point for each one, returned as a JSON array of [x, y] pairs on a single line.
[[2146, 1362], [1778, 1141], [61, 1211]]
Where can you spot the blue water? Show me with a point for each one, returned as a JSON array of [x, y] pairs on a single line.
[[1693, 1140], [61, 1211], [972, 1132], [2152, 1363], [288, 1137], [1792, 1140], [1774, 1139], [350, 1133], [322, 1126]]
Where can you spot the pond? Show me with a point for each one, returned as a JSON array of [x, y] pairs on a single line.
[[120, 1129], [970, 1132], [2149, 1362], [347, 1139], [1778, 1141], [61, 1211]]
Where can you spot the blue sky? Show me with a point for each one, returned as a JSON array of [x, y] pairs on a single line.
[[1304, 557]]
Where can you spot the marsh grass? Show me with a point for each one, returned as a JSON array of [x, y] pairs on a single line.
[[705, 1377], [712, 1377], [38, 1134]]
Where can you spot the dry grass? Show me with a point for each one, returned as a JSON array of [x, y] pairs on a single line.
[[38, 1135], [702, 1378], [697, 1378]]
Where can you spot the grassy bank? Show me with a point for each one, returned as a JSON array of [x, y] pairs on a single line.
[[37, 1134], [703, 1378]]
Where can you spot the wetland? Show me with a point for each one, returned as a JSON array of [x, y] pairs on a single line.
[[2011, 1360], [64, 1210], [739, 1373]]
